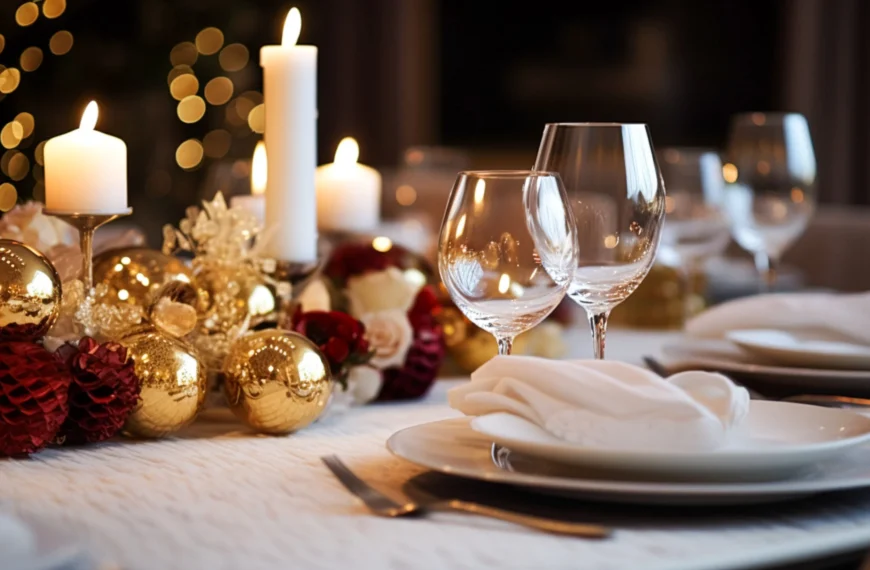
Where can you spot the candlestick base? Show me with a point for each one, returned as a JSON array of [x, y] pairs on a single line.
[[290, 278], [87, 223]]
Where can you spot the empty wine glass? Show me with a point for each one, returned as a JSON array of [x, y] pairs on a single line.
[[507, 249], [770, 193], [618, 199]]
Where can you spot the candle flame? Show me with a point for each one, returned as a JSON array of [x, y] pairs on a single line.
[[259, 170], [347, 152], [292, 27], [89, 117]]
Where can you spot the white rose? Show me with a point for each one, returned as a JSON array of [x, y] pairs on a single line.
[[380, 291], [390, 335]]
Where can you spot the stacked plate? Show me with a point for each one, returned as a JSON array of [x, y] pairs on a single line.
[[786, 451]]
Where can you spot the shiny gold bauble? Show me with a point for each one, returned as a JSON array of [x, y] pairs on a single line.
[[173, 382], [227, 293], [133, 274], [276, 381], [30, 292]]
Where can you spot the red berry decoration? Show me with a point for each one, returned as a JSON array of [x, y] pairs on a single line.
[[33, 397], [104, 391], [424, 358]]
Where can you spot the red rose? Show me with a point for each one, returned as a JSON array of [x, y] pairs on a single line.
[[351, 259], [340, 337]]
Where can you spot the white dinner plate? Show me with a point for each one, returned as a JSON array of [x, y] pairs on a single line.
[[776, 439], [804, 351], [762, 374], [452, 447]]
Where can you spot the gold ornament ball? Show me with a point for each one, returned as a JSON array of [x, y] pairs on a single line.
[[173, 382], [227, 293], [134, 274], [30, 292], [276, 381]]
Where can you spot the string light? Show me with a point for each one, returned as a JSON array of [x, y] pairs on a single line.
[[8, 196], [191, 109], [184, 85], [26, 14], [234, 57], [31, 59], [9, 80], [61, 42], [53, 8], [27, 123], [209, 41], [11, 134], [19, 166], [257, 119], [184, 53], [39, 154], [189, 154], [2, 42], [219, 90]]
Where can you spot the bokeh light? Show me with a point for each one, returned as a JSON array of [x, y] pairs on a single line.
[[9, 80], [219, 90], [31, 59], [406, 195], [27, 123], [11, 134], [183, 86], [234, 57], [61, 42], [178, 71], [19, 166], [2, 42], [38, 173], [189, 154], [27, 13], [183, 54], [257, 119], [209, 41], [216, 144], [39, 154], [53, 8], [8, 197], [191, 109]]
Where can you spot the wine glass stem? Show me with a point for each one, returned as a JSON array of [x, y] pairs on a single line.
[[766, 266], [87, 246], [598, 322], [505, 344]]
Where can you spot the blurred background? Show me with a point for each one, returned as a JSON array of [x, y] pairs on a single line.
[[429, 87]]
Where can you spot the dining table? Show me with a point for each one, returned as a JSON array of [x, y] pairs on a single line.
[[218, 496]]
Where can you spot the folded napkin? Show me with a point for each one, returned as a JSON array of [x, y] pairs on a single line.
[[603, 403], [821, 315]]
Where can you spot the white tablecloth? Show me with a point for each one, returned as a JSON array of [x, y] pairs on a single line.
[[218, 497]]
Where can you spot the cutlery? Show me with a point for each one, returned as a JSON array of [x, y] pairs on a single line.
[[828, 401], [384, 506]]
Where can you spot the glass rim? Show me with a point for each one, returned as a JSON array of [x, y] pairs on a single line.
[[596, 124], [762, 117], [506, 173]]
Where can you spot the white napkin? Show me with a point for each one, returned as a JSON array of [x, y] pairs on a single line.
[[605, 403], [821, 315]]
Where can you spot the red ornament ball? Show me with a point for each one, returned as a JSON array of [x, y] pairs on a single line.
[[34, 384], [103, 392]]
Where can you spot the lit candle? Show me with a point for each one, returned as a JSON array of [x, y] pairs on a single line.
[[255, 203], [290, 97], [86, 170], [348, 193]]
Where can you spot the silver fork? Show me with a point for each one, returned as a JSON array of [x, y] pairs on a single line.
[[384, 506]]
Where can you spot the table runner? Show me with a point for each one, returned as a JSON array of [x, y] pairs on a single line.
[[219, 497]]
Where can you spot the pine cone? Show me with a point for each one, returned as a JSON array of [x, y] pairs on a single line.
[[34, 385], [425, 356], [103, 392]]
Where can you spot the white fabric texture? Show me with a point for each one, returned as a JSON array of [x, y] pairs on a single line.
[[605, 403], [220, 498], [828, 316]]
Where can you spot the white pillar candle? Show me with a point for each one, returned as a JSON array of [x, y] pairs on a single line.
[[348, 193], [290, 97], [86, 170], [256, 202]]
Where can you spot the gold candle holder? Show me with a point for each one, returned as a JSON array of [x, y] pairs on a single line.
[[297, 275], [87, 223]]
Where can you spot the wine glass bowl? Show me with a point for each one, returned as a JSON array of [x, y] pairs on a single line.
[[617, 196], [507, 249], [770, 191]]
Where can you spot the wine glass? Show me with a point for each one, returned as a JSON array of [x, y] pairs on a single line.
[[618, 199], [770, 193], [507, 249]]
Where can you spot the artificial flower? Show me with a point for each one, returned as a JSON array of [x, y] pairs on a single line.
[[380, 291], [339, 336]]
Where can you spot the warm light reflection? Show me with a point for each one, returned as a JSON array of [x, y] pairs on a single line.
[[611, 241], [41, 286], [259, 169], [460, 227], [8, 197], [90, 116], [670, 204], [406, 195], [292, 27], [729, 173], [504, 283], [763, 167], [261, 302], [61, 42], [797, 195], [382, 244], [479, 191], [347, 152], [123, 294]]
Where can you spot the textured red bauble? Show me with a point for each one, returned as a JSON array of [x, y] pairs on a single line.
[[34, 384], [104, 391]]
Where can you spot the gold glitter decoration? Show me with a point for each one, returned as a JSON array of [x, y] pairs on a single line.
[[277, 381], [173, 381], [30, 291], [92, 315], [134, 274]]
